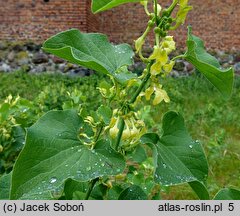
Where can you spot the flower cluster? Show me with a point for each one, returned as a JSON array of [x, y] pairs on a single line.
[[7, 120], [134, 129], [160, 94], [162, 66], [160, 55]]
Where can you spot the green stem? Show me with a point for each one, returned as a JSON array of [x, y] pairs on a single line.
[[155, 9], [140, 88], [98, 134], [132, 100], [177, 57], [91, 186], [119, 136], [171, 7], [156, 13]]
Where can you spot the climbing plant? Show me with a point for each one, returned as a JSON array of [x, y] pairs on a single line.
[[109, 153]]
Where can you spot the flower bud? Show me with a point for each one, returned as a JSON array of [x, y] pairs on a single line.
[[1, 148], [167, 26], [159, 8], [152, 15], [126, 132], [163, 33], [164, 13], [139, 43], [144, 3], [151, 23], [170, 20], [114, 130], [157, 30], [134, 131]]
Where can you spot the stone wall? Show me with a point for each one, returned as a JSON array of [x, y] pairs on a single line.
[[29, 57]]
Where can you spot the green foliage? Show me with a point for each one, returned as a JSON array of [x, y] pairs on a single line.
[[18, 113], [133, 193], [211, 121], [228, 194], [63, 156], [14, 117], [92, 51], [208, 65], [207, 112], [175, 156], [98, 6], [5, 184], [106, 151]]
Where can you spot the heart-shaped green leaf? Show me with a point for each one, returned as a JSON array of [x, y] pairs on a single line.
[[91, 50], [98, 6], [228, 194], [208, 65], [178, 159], [54, 153]]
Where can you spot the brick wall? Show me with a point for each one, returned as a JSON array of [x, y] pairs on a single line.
[[39, 19], [93, 20], [216, 21]]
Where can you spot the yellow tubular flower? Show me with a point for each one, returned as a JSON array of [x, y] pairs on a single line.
[[114, 130], [168, 44], [160, 95], [126, 132], [160, 55], [156, 68], [168, 67], [183, 3], [134, 130], [139, 43], [112, 122], [103, 91], [159, 8], [149, 91]]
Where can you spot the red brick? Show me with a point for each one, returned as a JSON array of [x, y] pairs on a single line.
[[216, 21]]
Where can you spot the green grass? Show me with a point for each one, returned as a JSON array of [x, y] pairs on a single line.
[[209, 118]]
